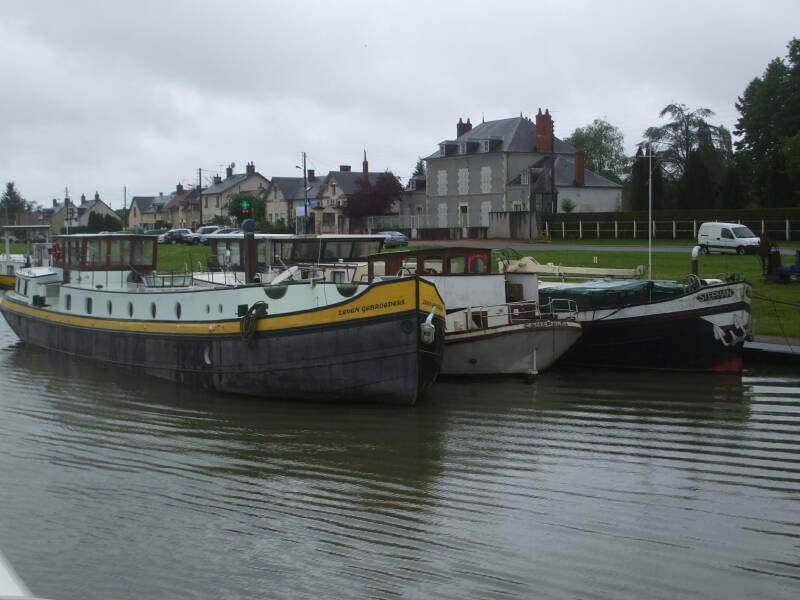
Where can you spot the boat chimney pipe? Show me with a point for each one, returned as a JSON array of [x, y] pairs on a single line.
[[695, 254], [249, 250]]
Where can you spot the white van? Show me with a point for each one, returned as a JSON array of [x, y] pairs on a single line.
[[727, 237]]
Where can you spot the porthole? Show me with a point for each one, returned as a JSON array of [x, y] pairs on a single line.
[[346, 289], [153, 309], [109, 307], [208, 309], [88, 306], [177, 310], [219, 308], [130, 309], [68, 302], [207, 355], [277, 291]]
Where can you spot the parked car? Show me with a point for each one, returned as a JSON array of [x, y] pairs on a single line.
[[198, 236], [220, 231], [392, 239], [174, 236], [155, 232], [727, 237]]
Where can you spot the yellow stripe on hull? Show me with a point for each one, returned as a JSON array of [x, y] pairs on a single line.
[[380, 300], [7, 281]]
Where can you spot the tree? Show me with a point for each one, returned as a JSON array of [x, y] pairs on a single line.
[[684, 133], [419, 168], [246, 206], [376, 199], [640, 183], [95, 224], [567, 205], [13, 204], [768, 126], [603, 144]]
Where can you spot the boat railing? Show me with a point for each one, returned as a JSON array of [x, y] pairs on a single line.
[[167, 280], [560, 308]]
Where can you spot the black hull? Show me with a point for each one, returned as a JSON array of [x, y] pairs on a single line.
[[703, 330], [376, 360], [670, 344]]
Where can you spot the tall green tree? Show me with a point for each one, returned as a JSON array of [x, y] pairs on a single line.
[[13, 204], [603, 144], [419, 168], [768, 126], [686, 132], [640, 183]]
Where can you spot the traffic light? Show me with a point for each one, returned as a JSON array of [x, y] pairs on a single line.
[[245, 207]]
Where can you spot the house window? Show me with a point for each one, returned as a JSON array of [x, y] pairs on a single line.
[[205, 202], [484, 145], [524, 178], [486, 180], [441, 182], [463, 181], [216, 200], [463, 215]]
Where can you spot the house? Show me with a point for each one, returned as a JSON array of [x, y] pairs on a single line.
[[327, 198], [336, 190], [285, 197], [146, 211], [182, 208], [72, 215], [216, 197], [504, 166]]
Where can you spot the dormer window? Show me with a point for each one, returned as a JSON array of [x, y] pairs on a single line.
[[462, 147], [484, 145]]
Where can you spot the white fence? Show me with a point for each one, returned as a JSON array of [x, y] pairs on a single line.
[[613, 229]]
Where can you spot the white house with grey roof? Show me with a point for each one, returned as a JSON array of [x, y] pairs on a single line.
[[503, 166]]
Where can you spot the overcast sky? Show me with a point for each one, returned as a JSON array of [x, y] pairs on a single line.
[[97, 95]]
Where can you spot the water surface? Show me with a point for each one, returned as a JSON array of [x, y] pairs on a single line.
[[580, 485]]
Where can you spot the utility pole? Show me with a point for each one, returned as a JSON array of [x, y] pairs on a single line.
[[125, 205], [200, 193], [305, 196]]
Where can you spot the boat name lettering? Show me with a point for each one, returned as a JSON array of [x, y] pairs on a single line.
[[369, 307], [715, 295]]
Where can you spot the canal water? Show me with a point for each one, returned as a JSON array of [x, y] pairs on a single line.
[[580, 485]]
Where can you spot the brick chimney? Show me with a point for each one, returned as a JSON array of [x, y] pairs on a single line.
[[344, 168], [365, 168], [217, 179], [311, 175], [251, 168], [229, 172], [179, 189], [580, 167], [97, 195], [544, 131], [55, 202], [83, 199], [462, 128]]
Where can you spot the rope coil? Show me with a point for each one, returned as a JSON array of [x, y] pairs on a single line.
[[247, 325]]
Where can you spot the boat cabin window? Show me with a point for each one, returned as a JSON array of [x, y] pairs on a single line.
[[378, 268], [457, 264], [120, 252], [337, 249], [74, 252], [305, 250], [410, 263], [95, 252], [432, 265], [362, 248]]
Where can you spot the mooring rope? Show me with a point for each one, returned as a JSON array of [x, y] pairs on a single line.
[[247, 325]]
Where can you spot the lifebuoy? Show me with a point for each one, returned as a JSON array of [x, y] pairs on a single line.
[[479, 261], [55, 252]]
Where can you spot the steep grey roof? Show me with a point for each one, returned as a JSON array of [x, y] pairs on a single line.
[[565, 174], [292, 187], [226, 184], [348, 180], [517, 134], [145, 203]]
